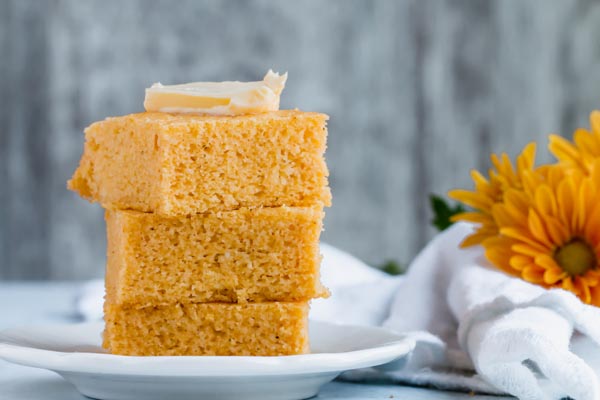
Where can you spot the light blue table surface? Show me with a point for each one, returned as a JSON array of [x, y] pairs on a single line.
[[36, 303]]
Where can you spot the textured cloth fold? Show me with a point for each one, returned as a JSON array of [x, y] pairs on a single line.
[[495, 333]]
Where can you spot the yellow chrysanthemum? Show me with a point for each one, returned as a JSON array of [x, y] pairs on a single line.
[[543, 224], [584, 151], [549, 232], [490, 191]]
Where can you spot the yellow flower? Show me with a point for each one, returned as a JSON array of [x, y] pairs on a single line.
[[543, 224], [549, 232], [584, 151], [490, 191]]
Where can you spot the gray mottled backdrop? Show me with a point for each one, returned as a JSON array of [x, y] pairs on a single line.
[[418, 92]]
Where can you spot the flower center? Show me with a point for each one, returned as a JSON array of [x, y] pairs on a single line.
[[575, 257]]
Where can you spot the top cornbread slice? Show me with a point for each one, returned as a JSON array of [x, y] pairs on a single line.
[[183, 164]]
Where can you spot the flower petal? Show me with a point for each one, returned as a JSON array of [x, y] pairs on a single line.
[[472, 199], [533, 273], [527, 249], [565, 199], [523, 236], [567, 284], [519, 261], [554, 275], [595, 295], [558, 232], [583, 290], [537, 228], [564, 150]]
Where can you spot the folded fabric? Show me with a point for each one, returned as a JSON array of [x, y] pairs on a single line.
[[516, 335], [477, 329]]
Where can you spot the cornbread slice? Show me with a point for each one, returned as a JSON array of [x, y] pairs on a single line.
[[181, 164], [254, 329], [263, 254]]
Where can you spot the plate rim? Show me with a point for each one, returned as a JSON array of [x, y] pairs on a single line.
[[205, 366]]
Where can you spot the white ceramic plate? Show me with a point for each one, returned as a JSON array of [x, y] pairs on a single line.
[[74, 352]]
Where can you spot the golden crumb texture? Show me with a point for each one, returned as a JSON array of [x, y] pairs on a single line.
[[245, 255], [182, 164], [220, 329]]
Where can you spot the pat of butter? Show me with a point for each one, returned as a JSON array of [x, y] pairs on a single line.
[[217, 98]]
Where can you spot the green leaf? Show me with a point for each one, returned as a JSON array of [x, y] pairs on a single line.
[[393, 267], [442, 212]]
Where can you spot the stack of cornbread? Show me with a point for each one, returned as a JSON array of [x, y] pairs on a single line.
[[213, 221]]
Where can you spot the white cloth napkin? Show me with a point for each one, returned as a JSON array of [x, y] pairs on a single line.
[[465, 316], [519, 338]]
